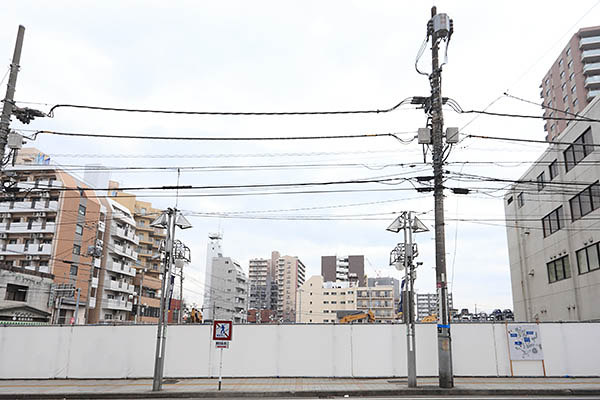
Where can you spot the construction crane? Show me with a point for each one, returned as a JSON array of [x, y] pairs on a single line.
[[358, 316]]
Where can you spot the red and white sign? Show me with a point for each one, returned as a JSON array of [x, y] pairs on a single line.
[[222, 330]]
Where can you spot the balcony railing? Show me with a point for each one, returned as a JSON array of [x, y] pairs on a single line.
[[120, 268], [26, 227], [114, 304], [119, 286]]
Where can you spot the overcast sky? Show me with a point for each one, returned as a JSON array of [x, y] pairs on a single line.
[[297, 56]]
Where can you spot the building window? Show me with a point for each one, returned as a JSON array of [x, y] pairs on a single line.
[[578, 150], [553, 222], [79, 229], [547, 81], [565, 99], [16, 292], [81, 210], [553, 169], [570, 64], [325, 302], [541, 181], [572, 76], [585, 202], [73, 271], [559, 269], [520, 200], [575, 102], [510, 200], [573, 89], [587, 259], [76, 249], [564, 86], [561, 62], [562, 74], [568, 51]]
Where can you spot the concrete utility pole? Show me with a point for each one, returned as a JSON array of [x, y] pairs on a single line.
[[408, 308], [7, 108], [139, 304], [439, 27], [169, 219]]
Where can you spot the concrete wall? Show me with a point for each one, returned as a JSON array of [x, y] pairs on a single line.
[[287, 350]]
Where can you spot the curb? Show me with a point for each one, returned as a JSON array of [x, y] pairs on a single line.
[[309, 393]]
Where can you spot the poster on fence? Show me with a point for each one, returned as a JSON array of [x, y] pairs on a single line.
[[524, 342]]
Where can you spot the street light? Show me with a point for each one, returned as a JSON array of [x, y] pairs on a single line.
[[402, 257], [168, 219]]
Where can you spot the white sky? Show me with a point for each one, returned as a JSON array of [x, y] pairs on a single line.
[[303, 55]]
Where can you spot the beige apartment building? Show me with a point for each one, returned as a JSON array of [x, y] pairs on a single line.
[[319, 301], [573, 80], [148, 278], [290, 276], [47, 223], [379, 299]]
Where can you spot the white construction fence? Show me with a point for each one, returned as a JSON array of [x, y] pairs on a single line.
[[312, 350]]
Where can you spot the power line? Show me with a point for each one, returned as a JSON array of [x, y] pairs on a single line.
[[228, 113], [207, 138], [533, 140]]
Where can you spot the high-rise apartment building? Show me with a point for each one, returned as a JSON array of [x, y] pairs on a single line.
[[147, 280], [291, 274], [226, 290], [552, 229], [573, 80], [115, 289], [344, 269], [427, 304], [46, 231], [263, 289]]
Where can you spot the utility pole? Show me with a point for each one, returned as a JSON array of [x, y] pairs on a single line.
[[169, 219], [440, 28], [159, 360], [139, 304], [179, 316], [408, 310], [8, 107]]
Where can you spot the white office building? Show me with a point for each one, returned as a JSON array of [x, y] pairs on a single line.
[[552, 219]]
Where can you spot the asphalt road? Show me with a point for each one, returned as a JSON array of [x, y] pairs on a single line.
[[416, 398]]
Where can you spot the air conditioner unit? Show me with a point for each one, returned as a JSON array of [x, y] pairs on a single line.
[[45, 194], [3, 235], [29, 257], [39, 214]]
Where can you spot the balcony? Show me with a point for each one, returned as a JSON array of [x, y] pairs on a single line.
[[589, 43], [24, 227], [114, 304], [120, 268], [592, 82], [22, 249], [123, 251], [150, 301], [591, 69], [119, 286], [144, 227], [590, 56], [127, 234], [149, 282], [94, 282], [28, 206], [592, 93]]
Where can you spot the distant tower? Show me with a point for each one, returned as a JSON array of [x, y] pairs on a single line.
[[213, 250]]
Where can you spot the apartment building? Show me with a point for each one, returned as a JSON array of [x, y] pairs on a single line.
[[48, 220], [427, 304], [344, 269], [263, 289], [147, 281], [552, 219], [379, 299], [319, 301], [573, 80], [226, 293], [291, 274], [119, 258]]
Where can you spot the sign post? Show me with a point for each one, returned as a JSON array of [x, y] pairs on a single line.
[[222, 334]]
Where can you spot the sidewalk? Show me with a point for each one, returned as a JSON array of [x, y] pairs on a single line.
[[292, 387]]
